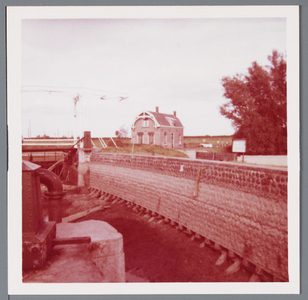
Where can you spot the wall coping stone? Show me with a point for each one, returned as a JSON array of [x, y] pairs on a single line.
[[202, 161]]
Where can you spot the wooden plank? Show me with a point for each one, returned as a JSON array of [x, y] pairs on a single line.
[[79, 215], [72, 240]]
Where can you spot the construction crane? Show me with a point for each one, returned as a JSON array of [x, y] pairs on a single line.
[[75, 93], [68, 171]]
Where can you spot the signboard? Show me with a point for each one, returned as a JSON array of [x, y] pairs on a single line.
[[239, 146]]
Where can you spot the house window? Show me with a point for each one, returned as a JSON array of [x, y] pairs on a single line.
[[180, 139], [151, 138], [165, 138], [140, 138], [145, 123], [171, 121]]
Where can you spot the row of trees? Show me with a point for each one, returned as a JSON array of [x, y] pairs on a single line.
[[257, 106], [121, 133], [48, 137]]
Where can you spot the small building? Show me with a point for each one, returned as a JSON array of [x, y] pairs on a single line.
[[207, 145], [155, 128]]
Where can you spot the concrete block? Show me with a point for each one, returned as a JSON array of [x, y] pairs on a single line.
[[222, 258], [106, 246], [254, 278], [235, 267], [111, 267]]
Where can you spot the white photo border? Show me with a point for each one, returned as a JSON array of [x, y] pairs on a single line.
[[14, 17]]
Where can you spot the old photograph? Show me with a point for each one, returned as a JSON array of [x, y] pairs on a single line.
[[154, 145]]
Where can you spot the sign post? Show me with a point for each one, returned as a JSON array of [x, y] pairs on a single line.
[[239, 146]]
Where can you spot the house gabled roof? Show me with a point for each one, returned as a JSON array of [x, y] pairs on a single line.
[[165, 119]]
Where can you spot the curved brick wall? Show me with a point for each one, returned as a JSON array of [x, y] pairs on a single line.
[[243, 208]]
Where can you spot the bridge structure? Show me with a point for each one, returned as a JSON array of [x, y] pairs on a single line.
[[55, 153], [48, 151], [45, 152]]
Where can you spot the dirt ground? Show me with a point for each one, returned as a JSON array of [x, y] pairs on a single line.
[[156, 251]]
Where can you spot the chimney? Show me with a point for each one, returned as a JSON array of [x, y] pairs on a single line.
[[157, 109], [174, 113]]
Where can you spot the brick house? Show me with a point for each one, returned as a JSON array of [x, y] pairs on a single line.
[[155, 128]]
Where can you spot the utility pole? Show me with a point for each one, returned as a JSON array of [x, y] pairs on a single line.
[[76, 100], [29, 129]]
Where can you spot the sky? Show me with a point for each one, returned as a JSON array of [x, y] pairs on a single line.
[[175, 64]]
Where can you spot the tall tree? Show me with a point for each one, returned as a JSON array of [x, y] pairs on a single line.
[[257, 106], [122, 132]]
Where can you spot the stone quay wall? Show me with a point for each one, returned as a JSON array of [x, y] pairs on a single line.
[[242, 208]]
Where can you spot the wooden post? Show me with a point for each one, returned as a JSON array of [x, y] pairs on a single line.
[[197, 184]]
